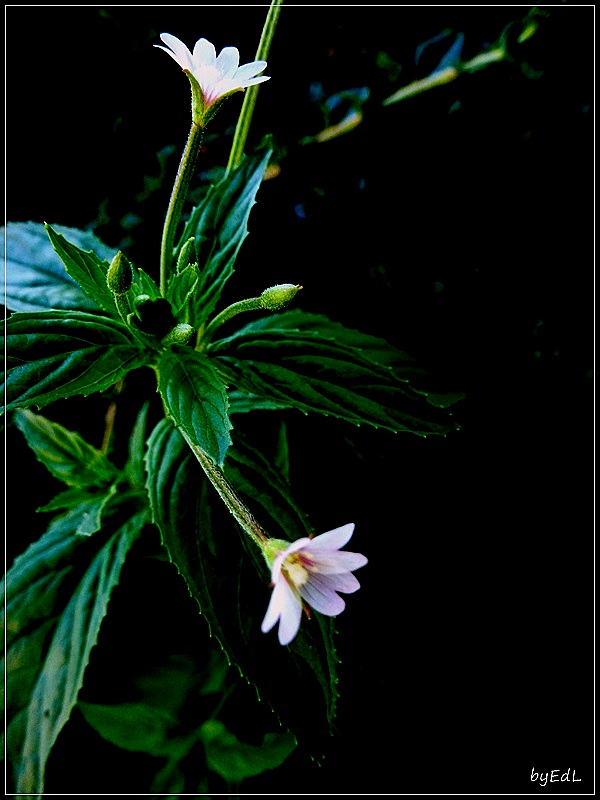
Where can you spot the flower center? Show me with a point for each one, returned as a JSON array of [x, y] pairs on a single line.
[[295, 570]]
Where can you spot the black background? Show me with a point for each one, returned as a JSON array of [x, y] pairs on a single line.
[[458, 226]]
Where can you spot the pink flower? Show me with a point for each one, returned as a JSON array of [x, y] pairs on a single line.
[[310, 570], [217, 75]]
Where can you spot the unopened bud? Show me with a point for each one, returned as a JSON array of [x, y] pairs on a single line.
[[187, 255], [278, 296], [181, 334], [140, 301], [119, 277]]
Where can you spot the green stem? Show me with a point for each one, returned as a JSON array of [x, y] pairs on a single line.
[[251, 93], [227, 493], [438, 78], [251, 304], [446, 75], [178, 197]]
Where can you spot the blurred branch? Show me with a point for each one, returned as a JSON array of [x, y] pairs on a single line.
[[447, 73]]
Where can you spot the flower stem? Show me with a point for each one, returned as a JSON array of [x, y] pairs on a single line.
[[252, 304], [251, 93], [178, 196], [227, 493]]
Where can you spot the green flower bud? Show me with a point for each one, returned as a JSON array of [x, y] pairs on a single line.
[[140, 301], [119, 277], [181, 334], [278, 296], [187, 255]]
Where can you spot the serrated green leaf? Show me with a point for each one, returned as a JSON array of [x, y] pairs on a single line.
[[57, 594], [244, 402], [36, 278], [195, 398], [219, 227], [308, 362], [175, 482], [59, 354], [87, 268], [135, 467], [70, 498], [65, 454], [143, 284], [234, 760], [214, 566], [262, 485], [86, 516], [180, 290], [83, 510]]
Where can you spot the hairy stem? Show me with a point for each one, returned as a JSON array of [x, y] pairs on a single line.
[[227, 493], [252, 304], [178, 196]]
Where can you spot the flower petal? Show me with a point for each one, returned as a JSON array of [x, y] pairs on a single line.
[[250, 70], [291, 612], [253, 81], [337, 561], [333, 540], [320, 596], [205, 54], [274, 610], [228, 62], [298, 544], [343, 582], [178, 50]]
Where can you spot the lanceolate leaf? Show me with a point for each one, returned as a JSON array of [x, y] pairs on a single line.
[[195, 399], [264, 488], [221, 576], [219, 226], [308, 362], [176, 486], [135, 467], [59, 354], [88, 269], [180, 289], [84, 508], [57, 594], [36, 278], [64, 453]]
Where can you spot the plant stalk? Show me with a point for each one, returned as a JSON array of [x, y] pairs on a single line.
[[178, 196], [227, 493], [251, 93]]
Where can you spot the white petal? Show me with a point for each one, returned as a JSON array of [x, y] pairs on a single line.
[[286, 607], [250, 70], [333, 540], [253, 81], [321, 597], [180, 53], [344, 582], [327, 563], [204, 54], [290, 614], [274, 609], [228, 61], [276, 567], [223, 86], [298, 544]]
